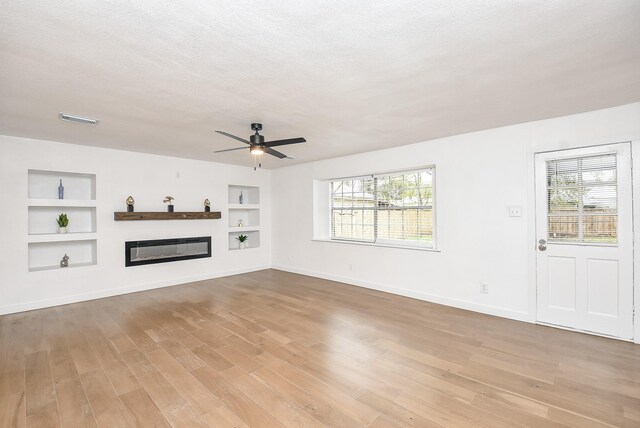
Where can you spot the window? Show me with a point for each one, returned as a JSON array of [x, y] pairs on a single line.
[[582, 200], [392, 209]]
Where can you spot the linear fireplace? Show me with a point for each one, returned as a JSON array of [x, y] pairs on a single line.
[[166, 250]]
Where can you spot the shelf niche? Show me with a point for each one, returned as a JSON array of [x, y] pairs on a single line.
[[253, 240], [162, 215], [250, 195], [248, 212], [47, 255], [249, 217], [44, 185], [42, 220], [46, 247]]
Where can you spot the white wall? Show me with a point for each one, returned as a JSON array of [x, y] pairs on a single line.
[[118, 174], [478, 176]]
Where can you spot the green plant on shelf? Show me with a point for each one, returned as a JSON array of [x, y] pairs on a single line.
[[63, 220], [242, 238]]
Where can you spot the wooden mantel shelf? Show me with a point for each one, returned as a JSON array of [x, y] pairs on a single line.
[[161, 215]]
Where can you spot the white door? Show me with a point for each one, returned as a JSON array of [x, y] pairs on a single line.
[[585, 239]]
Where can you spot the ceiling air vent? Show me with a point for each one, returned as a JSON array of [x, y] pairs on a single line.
[[78, 119]]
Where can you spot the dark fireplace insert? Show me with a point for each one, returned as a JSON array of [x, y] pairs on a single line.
[[138, 253]]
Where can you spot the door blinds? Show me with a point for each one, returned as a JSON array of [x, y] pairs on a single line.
[[582, 200]]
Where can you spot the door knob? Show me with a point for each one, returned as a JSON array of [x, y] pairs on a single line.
[[542, 245]]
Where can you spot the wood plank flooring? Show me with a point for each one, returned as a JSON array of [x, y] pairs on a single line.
[[274, 349]]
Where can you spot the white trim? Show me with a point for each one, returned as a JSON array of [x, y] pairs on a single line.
[[72, 203], [383, 173], [61, 237], [243, 207], [575, 330], [83, 297], [580, 144], [375, 244], [455, 303], [635, 191], [531, 232], [434, 210]]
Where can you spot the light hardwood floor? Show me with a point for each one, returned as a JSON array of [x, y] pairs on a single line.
[[273, 349]]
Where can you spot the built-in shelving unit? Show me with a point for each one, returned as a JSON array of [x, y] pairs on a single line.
[[244, 218], [46, 245]]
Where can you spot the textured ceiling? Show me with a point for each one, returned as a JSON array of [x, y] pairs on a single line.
[[350, 76]]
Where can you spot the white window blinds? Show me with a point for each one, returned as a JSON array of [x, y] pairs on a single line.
[[394, 209], [352, 209], [582, 198]]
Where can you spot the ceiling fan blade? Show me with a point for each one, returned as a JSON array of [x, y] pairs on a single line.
[[283, 142], [274, 153], [228, 150], [226, 134]]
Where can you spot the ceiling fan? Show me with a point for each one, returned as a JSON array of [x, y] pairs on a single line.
[[257, 145]]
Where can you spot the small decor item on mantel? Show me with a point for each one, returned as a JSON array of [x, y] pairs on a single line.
[[240, 223], [130, 202], [61, 190], [169, 200], [242, 241], [65, 261], [63, 222], [241, 198], [207, 206]]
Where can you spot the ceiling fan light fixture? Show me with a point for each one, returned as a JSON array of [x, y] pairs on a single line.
[[256, 150], [257, 145]]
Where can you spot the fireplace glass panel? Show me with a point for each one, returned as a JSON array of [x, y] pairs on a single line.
[[166, 250]]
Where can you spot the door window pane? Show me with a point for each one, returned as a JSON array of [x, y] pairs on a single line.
[[582, 199]]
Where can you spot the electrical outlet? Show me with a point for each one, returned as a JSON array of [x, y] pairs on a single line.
[[484, 288], [515, 211]]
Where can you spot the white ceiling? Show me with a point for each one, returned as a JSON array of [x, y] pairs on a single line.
[[350, 76]]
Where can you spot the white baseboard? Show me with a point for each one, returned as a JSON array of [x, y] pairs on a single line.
[[447, 301], [75, 298]]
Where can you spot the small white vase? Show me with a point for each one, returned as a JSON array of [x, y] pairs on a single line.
[[62, 230], [243, 245]]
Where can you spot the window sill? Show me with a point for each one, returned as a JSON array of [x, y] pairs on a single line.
[[370, 244]]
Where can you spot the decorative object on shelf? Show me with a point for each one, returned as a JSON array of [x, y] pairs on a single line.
[[241, 198], [130, 202], [242, 240], [65, 261], [61, 190], [207, 205], [169, 199], [63, 222], [240, 223]]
